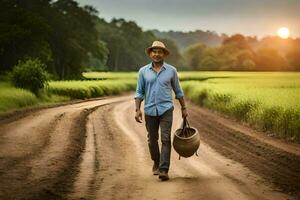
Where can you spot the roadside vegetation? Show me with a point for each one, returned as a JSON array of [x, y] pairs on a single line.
[[267, 101]]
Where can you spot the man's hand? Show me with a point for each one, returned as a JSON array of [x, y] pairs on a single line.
[[184, 112], [138, 116]]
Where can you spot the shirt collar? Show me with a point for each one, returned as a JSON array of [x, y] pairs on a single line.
[[163, 66]]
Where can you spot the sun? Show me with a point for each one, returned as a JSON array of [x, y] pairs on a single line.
[[283, 32]]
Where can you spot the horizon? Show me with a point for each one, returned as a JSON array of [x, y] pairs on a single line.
[[255, 18]]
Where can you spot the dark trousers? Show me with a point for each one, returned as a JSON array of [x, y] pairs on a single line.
[[152, 125]]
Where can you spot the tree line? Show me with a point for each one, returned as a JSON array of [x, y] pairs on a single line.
[[185, 39], [69, 39], [241, 53], [61, 34]]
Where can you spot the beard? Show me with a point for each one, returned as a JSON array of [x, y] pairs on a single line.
[[160, 61]]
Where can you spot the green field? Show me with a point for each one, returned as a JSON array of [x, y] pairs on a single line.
[[58, 91], [12, 98], [268, 101], [89, 89], [109, 75]]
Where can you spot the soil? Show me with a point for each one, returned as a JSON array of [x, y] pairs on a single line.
[[95, 150]]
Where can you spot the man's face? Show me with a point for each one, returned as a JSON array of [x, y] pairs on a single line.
[[157, 55]]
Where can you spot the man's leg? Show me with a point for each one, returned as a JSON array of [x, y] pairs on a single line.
[[166, 125], [152, 126]]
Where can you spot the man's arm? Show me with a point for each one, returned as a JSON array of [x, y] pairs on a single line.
[[176, 86], [182, 103], [138, 103], [139, 96], [138, 113], [140, 86], [179, 94], [183, 107]]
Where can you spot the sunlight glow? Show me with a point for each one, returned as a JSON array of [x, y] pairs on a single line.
[[283, 32]]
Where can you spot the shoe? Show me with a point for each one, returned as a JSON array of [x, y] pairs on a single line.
[[155, 169], [163, 176], [156, 172]]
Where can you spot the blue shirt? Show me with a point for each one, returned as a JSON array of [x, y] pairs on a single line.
[[156, 88]]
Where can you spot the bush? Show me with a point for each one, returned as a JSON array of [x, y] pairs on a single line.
[[30, 75]]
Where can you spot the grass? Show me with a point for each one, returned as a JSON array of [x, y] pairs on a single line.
[[89, 89], [109, 75], [12, 98], [268, 101]]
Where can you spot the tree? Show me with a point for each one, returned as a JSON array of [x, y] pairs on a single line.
[[193, 55], [126, 43], [210, 59], [24, 33], [237, 40], [61, 34], [235, 51], [293, 56], [269, 59], [175, 57]]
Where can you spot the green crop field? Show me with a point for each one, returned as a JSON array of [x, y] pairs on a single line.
[[89, 89], [12, 98], [268, 101], [109, 75]]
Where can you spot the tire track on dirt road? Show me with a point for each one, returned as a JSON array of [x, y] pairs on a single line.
[[280, 166], [124, 170], [96, 150], [39, 173], [40, 152]]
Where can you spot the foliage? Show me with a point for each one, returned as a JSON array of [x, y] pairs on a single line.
[[70, 39], [240, 53], [175, 57], [60, 33], [109, 75], [193, 56], [293, 56], [185, 39], [89, 89], [268, 101], [269, 58], [13, 98], [30, 75], [126, 43]]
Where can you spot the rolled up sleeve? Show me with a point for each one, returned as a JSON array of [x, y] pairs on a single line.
[[140, 87], [176, 86]]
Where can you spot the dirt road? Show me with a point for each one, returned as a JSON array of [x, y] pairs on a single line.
[[95, 150]]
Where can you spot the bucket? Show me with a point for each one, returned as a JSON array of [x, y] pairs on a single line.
[[186, 140]]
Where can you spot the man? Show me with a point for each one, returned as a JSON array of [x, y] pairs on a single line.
[[155, 83]]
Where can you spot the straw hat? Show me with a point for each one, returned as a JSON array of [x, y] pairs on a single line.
[[157, 44]]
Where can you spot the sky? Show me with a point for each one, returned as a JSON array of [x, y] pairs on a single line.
[[249, 17]]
